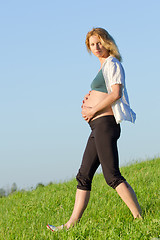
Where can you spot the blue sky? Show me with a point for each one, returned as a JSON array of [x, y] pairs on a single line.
[[45, 71]]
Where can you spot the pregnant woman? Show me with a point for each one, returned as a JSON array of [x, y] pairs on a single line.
[[104, 107]]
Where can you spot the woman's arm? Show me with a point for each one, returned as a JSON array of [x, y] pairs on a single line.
[[88, 113]]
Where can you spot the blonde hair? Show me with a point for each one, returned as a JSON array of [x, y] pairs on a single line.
[[107, 41]]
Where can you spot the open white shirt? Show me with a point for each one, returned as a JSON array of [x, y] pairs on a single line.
[[113, 73]]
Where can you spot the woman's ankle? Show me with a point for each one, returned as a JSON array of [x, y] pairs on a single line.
[[71, 223], [138, 216]]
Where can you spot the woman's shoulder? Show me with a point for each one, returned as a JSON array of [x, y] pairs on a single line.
[[111, 61], [112, 64]]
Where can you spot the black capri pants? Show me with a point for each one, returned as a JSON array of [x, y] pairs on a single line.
[[101, 149]]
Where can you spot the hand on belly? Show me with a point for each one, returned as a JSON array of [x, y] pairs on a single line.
[[87, 113], [90, 100]]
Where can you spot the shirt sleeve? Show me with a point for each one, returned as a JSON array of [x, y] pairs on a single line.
[[116, 73]]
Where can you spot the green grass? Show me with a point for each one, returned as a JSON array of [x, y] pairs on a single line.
[[24, 215]]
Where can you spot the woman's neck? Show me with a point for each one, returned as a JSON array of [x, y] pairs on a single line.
[[102, 60]]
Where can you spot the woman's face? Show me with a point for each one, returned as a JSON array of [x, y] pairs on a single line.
[[97, 48]]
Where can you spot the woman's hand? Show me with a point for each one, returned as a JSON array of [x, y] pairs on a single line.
[[85, 98], [87, 113]]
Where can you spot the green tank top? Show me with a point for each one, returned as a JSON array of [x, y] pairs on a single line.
[[98, 83]]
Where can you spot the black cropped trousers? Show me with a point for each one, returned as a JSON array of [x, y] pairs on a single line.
[[101, 149]]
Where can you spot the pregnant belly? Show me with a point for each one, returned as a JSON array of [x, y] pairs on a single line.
[[94, 98]]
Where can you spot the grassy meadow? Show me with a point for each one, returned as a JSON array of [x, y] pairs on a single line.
[[25, 214]]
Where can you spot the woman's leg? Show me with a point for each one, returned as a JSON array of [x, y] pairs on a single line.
[[81, 202], [90, 163], [106, 136], [128, 195], [124, 190]]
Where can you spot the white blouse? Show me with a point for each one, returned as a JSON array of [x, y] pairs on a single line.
[[113, 73]]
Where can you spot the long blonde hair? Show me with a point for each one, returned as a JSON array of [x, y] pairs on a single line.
[[107, 41]]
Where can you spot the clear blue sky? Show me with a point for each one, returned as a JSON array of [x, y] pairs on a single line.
[[45, 71]]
